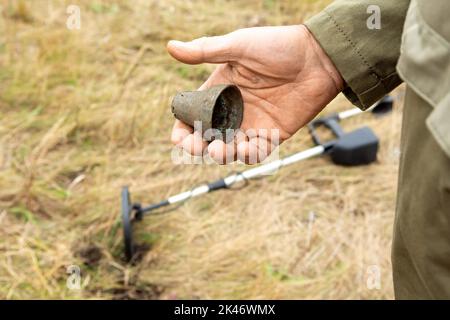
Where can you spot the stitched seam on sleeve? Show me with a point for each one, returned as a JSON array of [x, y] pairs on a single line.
[[353, 45], [358, 97], [382, 82]]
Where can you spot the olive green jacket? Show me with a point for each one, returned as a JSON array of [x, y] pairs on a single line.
[[411, 44]]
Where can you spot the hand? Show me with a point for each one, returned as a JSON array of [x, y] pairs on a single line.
[[285, 78]]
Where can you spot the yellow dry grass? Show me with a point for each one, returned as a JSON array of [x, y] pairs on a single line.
[[84, 112]]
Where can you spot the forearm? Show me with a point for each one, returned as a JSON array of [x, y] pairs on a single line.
[[366, 58]]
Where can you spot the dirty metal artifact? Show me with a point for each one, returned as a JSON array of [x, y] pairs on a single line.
[[352, 148], [220, 107]]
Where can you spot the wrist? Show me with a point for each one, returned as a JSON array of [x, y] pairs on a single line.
[[324, 60]]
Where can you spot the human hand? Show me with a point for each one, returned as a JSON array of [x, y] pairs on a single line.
[[285, 78]]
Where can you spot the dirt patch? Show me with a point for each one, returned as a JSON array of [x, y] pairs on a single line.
[[90, 254]]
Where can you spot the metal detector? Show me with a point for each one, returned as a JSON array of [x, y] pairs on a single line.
[[357, 147]]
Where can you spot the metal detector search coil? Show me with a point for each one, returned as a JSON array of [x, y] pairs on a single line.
[[353, 148]]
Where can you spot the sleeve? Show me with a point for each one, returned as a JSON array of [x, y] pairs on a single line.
[[365, 54]]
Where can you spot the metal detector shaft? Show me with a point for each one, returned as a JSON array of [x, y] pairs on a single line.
[[237, 177]]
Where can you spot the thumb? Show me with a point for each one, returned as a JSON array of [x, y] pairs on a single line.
[[218, 49]]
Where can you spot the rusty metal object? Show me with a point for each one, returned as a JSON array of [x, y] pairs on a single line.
[[220, 107]]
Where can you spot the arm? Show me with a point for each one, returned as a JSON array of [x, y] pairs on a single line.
[[366, 58]]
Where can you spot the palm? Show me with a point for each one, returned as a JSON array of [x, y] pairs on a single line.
[[283, 81]]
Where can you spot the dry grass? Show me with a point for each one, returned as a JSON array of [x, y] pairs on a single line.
[[85, 112]]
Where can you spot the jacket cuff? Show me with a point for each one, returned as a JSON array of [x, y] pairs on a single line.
[[358, 53]]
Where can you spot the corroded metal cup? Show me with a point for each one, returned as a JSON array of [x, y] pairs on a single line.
[[220, 107]]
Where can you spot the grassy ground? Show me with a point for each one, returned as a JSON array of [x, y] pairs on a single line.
[[84, 112]]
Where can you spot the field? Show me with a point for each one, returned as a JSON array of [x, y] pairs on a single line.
[[85, 112]]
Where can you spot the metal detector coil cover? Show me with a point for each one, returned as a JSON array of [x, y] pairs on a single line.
[[357, 147], [354, 148]]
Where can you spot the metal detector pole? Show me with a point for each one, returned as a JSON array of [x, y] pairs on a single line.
[[235, 178]]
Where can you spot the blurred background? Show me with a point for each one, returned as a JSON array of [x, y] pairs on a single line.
[[85, 111]]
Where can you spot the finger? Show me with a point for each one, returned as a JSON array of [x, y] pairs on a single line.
[[255, 150], [224, 153], [240, 136], [194, 144], [180, 131], [218, 49], [221, 152]]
